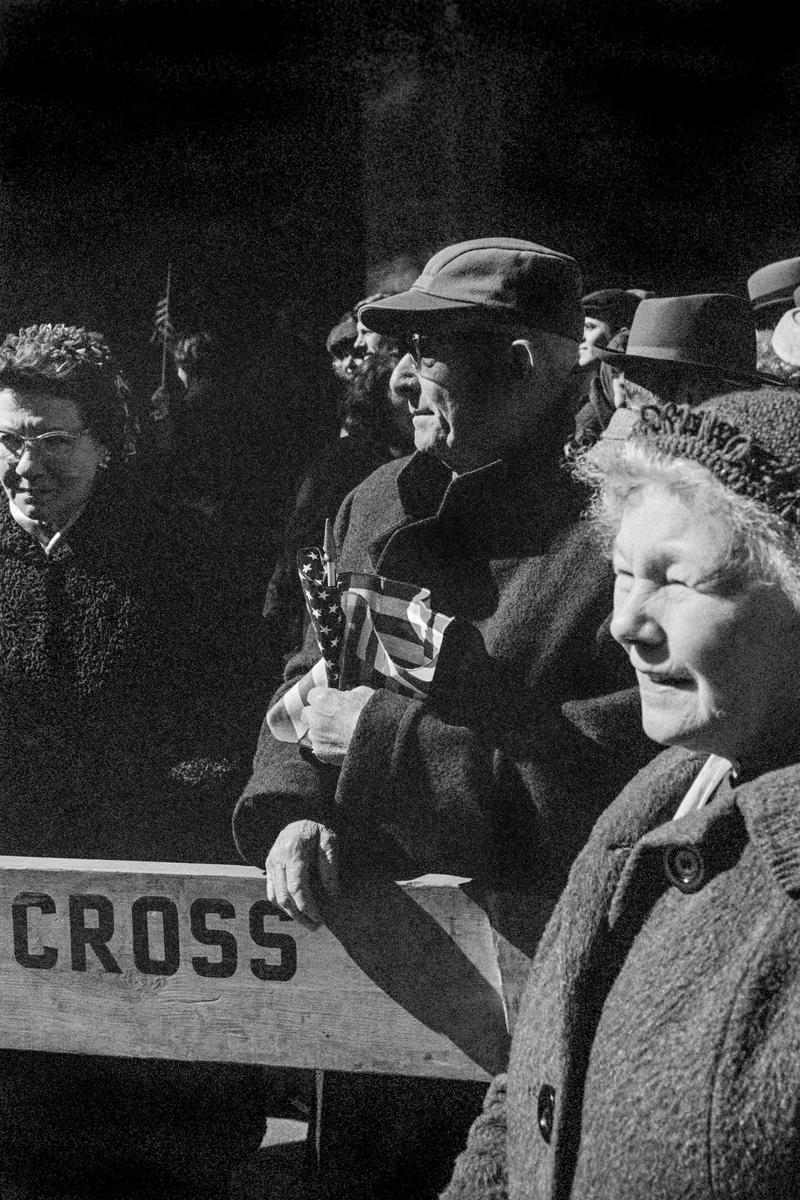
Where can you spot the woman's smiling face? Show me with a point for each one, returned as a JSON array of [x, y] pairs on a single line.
[[716, 655], [42, 488]]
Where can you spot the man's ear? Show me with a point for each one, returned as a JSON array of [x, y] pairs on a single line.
[[522, 351]]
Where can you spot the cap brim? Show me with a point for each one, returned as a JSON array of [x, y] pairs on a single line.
[[402, 312], [641, 364]]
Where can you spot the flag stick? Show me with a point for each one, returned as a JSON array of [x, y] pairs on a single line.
[[165, 329], [329, 554]]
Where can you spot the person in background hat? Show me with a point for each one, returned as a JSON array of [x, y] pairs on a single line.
[[683, 350], [785, 343], [499, 773], [770, 289], [656, 1049], [604, 397], [679, 349], [605, 313]]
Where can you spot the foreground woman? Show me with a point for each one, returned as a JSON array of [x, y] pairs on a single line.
[[657, 1053], [127, 718]]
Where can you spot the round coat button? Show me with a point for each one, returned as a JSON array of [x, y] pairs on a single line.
[[546, 1111], [684, 867]]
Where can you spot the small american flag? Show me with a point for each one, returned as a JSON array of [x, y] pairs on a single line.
[[391, 638], [324, 609]]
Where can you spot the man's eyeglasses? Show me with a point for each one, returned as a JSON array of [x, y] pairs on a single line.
[[56, 445], [436, 347], [342, 350]]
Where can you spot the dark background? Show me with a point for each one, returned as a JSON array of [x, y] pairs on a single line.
[[284, 155]]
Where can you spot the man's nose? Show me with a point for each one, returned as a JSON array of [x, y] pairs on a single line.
[[405, 380]]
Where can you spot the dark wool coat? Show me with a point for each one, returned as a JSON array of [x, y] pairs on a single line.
[[497, 771], [657, 1052], [129, 695], [130, 698]]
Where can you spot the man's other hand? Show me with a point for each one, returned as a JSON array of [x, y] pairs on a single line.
[[304, 856], [332, 718]]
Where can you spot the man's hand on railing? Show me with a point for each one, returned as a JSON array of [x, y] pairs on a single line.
[[304, 856]]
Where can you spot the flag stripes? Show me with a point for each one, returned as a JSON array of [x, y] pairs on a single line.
[[391, 639]]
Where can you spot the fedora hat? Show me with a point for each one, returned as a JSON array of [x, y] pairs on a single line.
[[710, 332]]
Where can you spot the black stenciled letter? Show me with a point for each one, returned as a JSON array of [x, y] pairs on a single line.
[[287, 946], [165, 907], [226, 965], [97, 936], [19, 918]]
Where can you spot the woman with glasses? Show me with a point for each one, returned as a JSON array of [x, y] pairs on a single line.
[[126, 723]]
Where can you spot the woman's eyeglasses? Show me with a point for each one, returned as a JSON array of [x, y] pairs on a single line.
[[56, 445]]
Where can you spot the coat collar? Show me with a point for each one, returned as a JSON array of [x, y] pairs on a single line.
[[484, 501], [764, 810]]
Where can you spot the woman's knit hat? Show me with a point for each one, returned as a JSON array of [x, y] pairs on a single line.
[[749, 440]]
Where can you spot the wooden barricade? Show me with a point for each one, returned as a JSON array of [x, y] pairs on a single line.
[[168, 960]]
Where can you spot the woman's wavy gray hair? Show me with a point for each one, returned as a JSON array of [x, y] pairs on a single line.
[[762, 546]]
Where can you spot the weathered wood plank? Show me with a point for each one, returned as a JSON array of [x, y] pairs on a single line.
[[164, 960]]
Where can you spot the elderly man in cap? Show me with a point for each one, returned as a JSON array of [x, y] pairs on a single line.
[[501, 770]]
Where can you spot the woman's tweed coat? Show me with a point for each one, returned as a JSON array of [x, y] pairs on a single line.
[[129, 696], [657, 1053]]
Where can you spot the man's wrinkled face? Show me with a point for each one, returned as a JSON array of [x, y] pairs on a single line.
[[463, 403]]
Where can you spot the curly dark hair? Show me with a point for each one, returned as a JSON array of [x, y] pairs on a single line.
[[76, 364]]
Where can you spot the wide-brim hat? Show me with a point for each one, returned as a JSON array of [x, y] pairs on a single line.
[[774, 283], [502, 280], [711, 332], [786, 335]]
